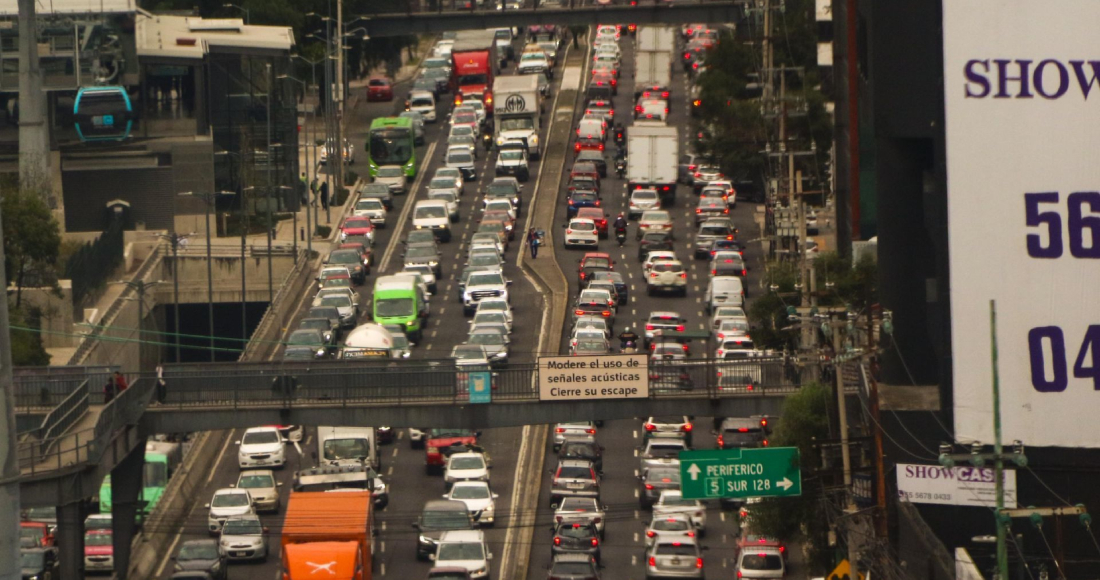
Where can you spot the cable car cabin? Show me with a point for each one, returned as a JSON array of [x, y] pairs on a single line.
[[103, 114]]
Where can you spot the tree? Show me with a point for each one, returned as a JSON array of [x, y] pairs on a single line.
[[26, 345], [32, 240], [804, 418]]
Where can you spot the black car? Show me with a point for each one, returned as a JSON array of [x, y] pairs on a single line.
[[654, 241], [582, 449], [594, 157], [329, 313], [576, 538], [38, 562], [353, 260], [201, 556], [654, 480], [732, 245], [330, 332], [622, 290]]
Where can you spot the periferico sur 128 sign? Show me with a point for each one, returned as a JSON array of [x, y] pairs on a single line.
[[572, 378]]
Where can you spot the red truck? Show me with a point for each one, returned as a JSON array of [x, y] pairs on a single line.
[[441, 443], [474, 66]]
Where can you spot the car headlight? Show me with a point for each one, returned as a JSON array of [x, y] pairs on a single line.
[[501, 354], [533, 139], [500, 140], [320, 352], [481, 571], [425, 540], [433, 263]]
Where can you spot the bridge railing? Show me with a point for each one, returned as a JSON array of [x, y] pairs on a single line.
[[412, 382], [47, 387]]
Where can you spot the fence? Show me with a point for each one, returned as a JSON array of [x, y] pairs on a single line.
[[47, 387], [91, 265]]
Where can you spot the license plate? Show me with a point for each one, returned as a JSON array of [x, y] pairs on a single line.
[[575, 485], [236, 553], [675, 562]]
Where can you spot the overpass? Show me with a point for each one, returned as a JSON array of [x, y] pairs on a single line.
[[421, 20]]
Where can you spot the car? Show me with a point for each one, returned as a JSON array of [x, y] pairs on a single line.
[[423, 82], [534, 63], [573, 566], [750, 541], [654, 221], [504, 188], [261, 447], [724, 291], [581, 198], [39, 563], [494, 338], [463, 136], [346, 305], [36, 534], [494, 305], [598, 217], [379, 191], [243, 538], [464, 549], [426, 273], [330, 146], [379, 89], [641, 201], [595, 157], [709, 207], [468, 466], [590, 347], [99, 551], [357, 227], [326, 312], [512, 160], [351, 260], [573, 478], [709, 231], [660, 451], [226, 503], [651, 109], [679, 558], [728, 263], [503, 216], [742, 432], [704, 175], [668, 527], [656, 479], [651, 242], [438, 517], [418, 122], [667, 276], [581, 232], [583, 449], [479, 500], [584, 431], [582, 509], [727, 313], [202, 556], [668, 426], [652, 90], [474, 103], [481, 285], [593, 262], [373, 209], [662, 320], [462, 158], [597, 308], [575, 538], [468, 118], [592, 322], [261, 485], [732, 328], [606, 286], [671, 501], [761, 562], [441, 77], [307, 344]]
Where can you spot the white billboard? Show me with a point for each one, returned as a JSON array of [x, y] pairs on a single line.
[[579, 378], [1022, 92], [959, 485]]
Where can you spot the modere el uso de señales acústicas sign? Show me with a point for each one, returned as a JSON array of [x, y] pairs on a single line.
[[579, 378]]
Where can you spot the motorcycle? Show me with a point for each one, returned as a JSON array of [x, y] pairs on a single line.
[[620, 236], [629, 347], [620, 167]]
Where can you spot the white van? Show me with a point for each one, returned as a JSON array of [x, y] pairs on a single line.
[[725, 291], [433, 215], [590, 128], [347, 446]]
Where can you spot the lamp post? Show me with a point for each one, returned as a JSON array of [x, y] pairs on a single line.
[[140, 286], [241, 8], [244, 234], [209, 200], [174, 240], [309, 226]]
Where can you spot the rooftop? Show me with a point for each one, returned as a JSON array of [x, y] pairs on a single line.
[[190, 37]]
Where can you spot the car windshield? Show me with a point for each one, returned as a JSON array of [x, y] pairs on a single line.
[[421, 102], [421, 252], [645, 195], [511, 155], [533, 57], [242, 527], [578, 449], [260, 438], [97, 539], [663, 475], [677, 501], [199, 551], [450, 519], [357, 224], [675, 549], [369, 204], [470, 492], [430, 212], [256, 481], [575, 472], [350, 448], [447, 196], [442, 183], [462, 353], [34, 560], [467, 463], [465, 118], [230, 500], [487, 338], [575, 530], [654, 237], [460, 157], [591, 346], [517, 124], [388, 307], [336, 301], [761, 561], [577, 504], [486, 279], [714, 230], [583, 226], [665, 450], [597, 263], [460, 551], [667, 267]]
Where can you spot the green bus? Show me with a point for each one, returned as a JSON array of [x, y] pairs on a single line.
[[391, 142], [154, 481]]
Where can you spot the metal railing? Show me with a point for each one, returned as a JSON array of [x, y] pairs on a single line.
[[64, 415], [287, 290], [47, 387], [347, 383]]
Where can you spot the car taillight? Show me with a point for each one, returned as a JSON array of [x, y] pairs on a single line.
[[698, 175], [687, 55], [742, 272], [782, 549], [649, 533], [652, 561], [595, 542], [666, 110], [680, 328], [650, 427], [561, 429], [685, 347], [686, 427], [683, 274], [765, 441], [715, 273], [571, 201], [698, 210], [649, 327], [557, 541], [576, 147], [653, 275], [698, 562], [738, 573], [638, 108], [601, 149], [590, 431], [720, 439]]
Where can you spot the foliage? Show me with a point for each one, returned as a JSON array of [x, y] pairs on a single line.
[[32, 240], [323, 231], [768, 313], [94, 262], [26, 345], [805, 417], [856, 287]]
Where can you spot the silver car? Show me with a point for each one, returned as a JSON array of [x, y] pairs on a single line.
[[261, 484], [579, 430], [393, 176], [462, 159], [679, 558], [243, 538], [495, 340], [641, 201]]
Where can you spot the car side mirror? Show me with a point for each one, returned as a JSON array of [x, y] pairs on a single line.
[[207, 506], [416, 525], [278, 484], [232, 485], [236, 442]]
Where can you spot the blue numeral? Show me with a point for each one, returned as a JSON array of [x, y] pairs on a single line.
[[1057, 359], [1050, 219], [1079, 223]]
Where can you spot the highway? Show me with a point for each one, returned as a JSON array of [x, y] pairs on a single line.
[[403, 467]]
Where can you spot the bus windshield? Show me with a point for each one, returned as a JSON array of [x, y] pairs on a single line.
[[156, 475], [393, 307], [390, 146]]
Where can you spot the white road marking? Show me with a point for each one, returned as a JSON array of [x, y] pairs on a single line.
[[722, 515], [634, 560], [389, 470], [403, 219], [383, 525], [221, 454], [635, 493], [383, 568], [400, 435], [635, 536], [635, 436], [442, 310], [297, 448], [394, 454], [383, 546], [429, 347]]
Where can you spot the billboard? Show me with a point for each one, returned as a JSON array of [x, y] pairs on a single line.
[[959, 485], [1022, 102]]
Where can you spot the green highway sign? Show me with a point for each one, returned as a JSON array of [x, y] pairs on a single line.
[[740, 473]]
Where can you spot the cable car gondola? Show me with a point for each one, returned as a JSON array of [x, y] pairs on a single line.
[[103, 114]]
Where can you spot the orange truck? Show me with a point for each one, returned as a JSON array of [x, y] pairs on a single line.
[[330, 533]]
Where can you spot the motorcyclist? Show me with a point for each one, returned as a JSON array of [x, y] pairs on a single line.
[[620, 224], [628, 339], [620, 134]]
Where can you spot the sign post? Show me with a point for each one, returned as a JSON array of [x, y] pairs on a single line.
[[740, 473]]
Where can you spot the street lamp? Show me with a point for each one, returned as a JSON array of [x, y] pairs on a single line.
[[241, 8], [208, 199], [174, 240], [140, 286], [309, 223], [244, 233]]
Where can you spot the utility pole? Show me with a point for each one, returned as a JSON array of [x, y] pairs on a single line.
[[766, 45], [339, 96], [845, 453], [270, 184], [34, 132], [998, 462], [9, 478]]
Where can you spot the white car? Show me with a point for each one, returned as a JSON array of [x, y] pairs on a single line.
[[501, 205], [488, 318], [394, 178], [452, 202], [672, 502], [349, 152], [584, 431], [422, 102], [225, 504], [495, 305], [641, 201], [373, 209], [463, 549], [583, 334], [453, 173], [261, 447], [654, 257], [319, 298], [468, 466], [727, 313], [479, 500], [581, 509], [581, 232], [761, 562], [243, 538], [327, 271], [730, 328], [261, 484], [651, 109], [443, 48], [668, 527]]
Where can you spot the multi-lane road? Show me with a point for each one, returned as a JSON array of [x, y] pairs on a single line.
[[403, 467]]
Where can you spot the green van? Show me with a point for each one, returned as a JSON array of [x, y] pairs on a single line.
[[398, 300]]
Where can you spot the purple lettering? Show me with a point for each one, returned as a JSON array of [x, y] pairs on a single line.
[[1079, 70], [1003, 79], [1063, 79], [973, 77]]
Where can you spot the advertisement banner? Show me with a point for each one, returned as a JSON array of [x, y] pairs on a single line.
[[1022, 101], [959, 485]]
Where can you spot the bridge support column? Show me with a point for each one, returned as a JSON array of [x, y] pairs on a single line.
[[70, 538], [125, 494]]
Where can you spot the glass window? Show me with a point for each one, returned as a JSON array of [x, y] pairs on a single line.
[[260, 438]]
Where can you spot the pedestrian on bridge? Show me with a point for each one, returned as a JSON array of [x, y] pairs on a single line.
[[120, 383]]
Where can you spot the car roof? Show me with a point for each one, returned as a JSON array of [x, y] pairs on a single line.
[[575, 462], [261, 430], [462, 536]]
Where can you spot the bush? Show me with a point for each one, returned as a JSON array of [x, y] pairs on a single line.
[[351, 177], [341, 196], [323, 231]]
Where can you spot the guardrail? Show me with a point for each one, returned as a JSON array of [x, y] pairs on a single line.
[[288, 289], [64, 415], [346, 383]]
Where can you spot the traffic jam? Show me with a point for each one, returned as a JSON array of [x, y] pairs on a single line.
[[425, 268]]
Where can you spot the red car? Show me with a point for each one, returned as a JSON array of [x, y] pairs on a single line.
[[441, 443], [600, 78], [595, 262], [357, 227], [379, 89], [35, 535], [597, 215]]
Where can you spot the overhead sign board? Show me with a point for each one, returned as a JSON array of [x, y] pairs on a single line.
[[959, 485], [1022, 87], [581, 378], [740, 473]]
